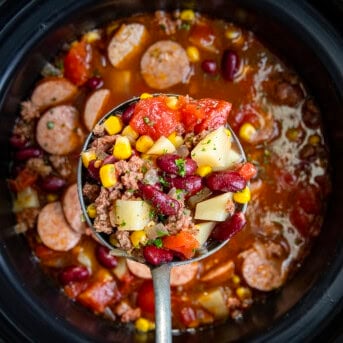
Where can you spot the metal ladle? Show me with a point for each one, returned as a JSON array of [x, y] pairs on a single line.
[[160, 274]]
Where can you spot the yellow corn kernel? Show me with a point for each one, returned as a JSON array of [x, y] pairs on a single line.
[[108, 176], [98, 163], [113, 125], [51, 197], [233, 33], [144, 325], [91, 211], [243, 196], [187, 15], [314, 139], [246, 132], [145, 96], [176, 139], [228, 132], [236, 279], [122, 148], [87, 156], [204, 170], [144, 143], [172, 102], [243, 293], [138, 237], [130, 133], [92, 36], [193, 54]]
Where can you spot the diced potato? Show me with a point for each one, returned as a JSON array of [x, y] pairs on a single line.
[[121, 269], [232, 158], [27, 198], [162, 146], [204, 232], [214, 150], [131, 214], [214, 302], [214, 208]]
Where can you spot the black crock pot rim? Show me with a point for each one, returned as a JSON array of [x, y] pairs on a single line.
[[304, 16]]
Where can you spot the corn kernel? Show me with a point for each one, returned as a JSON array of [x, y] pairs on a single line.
[[108, 176], [138, 237], [51, 197], [243, 293], [92, 36], [187, 15], [172, 102], [204, 170], [243, 196], [130, 133], [145, 96], [236, 279], [87, 156], [228, 132], [246, 132], [122, 148], [98, 163], [144, 325], [176, 139], [314, 139], [113, 125], [193, 54], [233, 33], [91, 211], [144, 143]]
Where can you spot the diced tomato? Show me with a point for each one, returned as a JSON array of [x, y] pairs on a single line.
[[98, 295], [183, 242], [24, 179], [246, 114], [154, 118], [202, 35], [77, 63], [247, 171], [308, 199], [301, 220], [191, 113], [145, 298], [73, 289]]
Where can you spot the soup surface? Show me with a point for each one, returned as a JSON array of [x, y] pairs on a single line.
[[276, 119]]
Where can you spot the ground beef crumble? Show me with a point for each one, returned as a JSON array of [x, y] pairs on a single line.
[[61, 164], [29, 111], [37, 165], [123, 238], [102, 203], [126, 312], [90, 191], [26, 219]]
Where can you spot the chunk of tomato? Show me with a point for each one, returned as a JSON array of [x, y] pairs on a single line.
[[146, 298], [183, 242]]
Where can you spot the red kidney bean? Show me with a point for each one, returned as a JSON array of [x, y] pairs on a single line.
[[174, 164], [209, 66], [108, 160], [73, 273], [128, 113], [156, 256], [225, 181], [95, 82], [225, 230], [18, 142], [230, 64], [93, 171], [163, 203], [26, 153], [53, 183], [191, 184], [105, 258]]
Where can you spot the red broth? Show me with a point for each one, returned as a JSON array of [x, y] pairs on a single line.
[[276, 119]]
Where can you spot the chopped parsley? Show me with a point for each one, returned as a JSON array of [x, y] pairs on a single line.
[[152, 214], [156, 242], [161, 233], [163, 182], [50, 125], [181, 166], [123, 223], [148, 121], [179, 193], [185, 26]]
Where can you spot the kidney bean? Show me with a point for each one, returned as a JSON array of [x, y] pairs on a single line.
[[109, 159], [128, 113], [105, 258], [156, 256], [93, 171], [209, 66], [162, 202], [18, 142], [52, 183], [226, 181], [225, 230], [230, 64], [95, 82], [26, 153], [73, 273], [174, 164], [191, 184]]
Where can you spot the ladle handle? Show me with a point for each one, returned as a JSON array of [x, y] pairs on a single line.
[[161, 280]]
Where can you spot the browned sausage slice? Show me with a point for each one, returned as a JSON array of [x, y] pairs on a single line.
[[179, 275], [53, 229], [72, 209], [53, 91], [259, 271], [165, 64], [126, 43], [95, 107], [223, 271], [58, 130]]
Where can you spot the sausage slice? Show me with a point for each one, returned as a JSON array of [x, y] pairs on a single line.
[[95, 107], [165, 64], [72, 209], [53, 91], [58, 130], [179, 275], [53, 229], [126, 43]]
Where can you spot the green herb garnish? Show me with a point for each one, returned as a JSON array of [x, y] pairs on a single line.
[[50, 125], [181, 166]]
